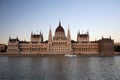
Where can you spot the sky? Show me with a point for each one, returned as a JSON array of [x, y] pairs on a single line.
[[21, 17]]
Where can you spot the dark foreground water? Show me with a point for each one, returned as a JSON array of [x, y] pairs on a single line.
[[59, 68]]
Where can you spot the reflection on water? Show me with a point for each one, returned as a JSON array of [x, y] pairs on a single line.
[[59, 68]]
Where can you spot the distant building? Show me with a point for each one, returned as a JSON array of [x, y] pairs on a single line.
[[3, 48], [60, 44], [117, 47]]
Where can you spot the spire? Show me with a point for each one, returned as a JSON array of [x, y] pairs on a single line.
[[68, 34], [110, 37], [78, 33], [17, 37], [59, 23], [102, 37], [40, 32], [50, 35], [87, 32], [78, 36], [9, 38], [42, 35], [31, 33]]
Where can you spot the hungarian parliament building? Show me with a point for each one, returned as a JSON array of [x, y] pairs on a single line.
[[60, 43]]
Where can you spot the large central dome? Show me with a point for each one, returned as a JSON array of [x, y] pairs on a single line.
[[59, 28], [59, 33]]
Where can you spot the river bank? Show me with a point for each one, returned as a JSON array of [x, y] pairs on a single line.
[[5, 54]]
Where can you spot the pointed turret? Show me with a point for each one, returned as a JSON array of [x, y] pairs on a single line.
[[40, 32], [31, 33], [17, 38], [102, 37], [9, 38], [59, 23], [42, 36], [68, 41], [110, 37], [78, 33], [78, 36], [88, 32], [50, 35], [68, 34]]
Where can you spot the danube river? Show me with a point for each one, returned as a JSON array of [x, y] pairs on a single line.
[[60, 68]]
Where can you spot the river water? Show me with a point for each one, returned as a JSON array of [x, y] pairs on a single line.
[[60, 68]]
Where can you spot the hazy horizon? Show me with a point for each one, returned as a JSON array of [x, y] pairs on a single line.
[[21, 17]]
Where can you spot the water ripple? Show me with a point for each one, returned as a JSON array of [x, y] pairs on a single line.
[[59, 68]]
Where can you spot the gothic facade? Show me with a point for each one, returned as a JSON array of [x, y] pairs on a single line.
[[60, 44]]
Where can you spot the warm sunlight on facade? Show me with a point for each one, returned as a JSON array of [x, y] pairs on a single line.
[[60, 44]]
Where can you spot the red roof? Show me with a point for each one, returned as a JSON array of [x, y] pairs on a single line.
[[59, 29]]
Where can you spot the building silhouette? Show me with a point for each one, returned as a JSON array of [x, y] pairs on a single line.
[[59, 43]]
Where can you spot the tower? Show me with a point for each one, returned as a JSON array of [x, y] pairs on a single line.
[[36, 38], [68, 41], [84, 37], [78, 37], [68, 34], [50, 41], [50, 35]]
